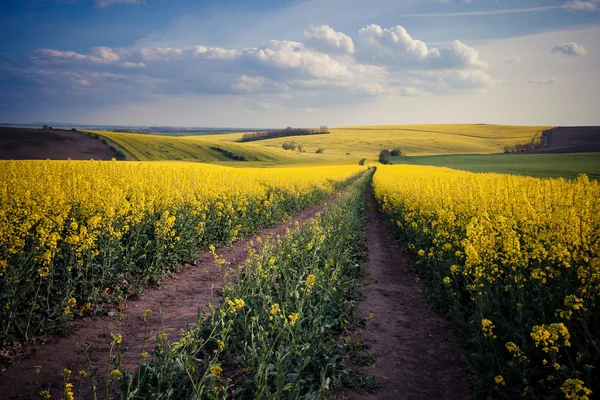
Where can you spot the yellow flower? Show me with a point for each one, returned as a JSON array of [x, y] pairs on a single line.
[[275, 309], [216, 370], [575, 389], [293, 318], [239, 303], [45, 394], [69, 391], [116, 338], [116, 373], [499, 379], [551, 337], [487, 327]]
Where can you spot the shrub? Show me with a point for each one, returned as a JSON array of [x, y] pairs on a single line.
[[320, 150]]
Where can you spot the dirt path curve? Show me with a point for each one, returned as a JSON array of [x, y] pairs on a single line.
[[417, 351], [179, 299]]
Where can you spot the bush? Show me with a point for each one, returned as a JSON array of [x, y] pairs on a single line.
[[320, 150], [288, 146], [383, 156], [396, 152]]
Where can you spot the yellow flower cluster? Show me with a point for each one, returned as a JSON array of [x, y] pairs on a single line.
[[487, 327], [516, 352], [518, 250], [551, 337], [61, 222], [575, 389], [235, 305]]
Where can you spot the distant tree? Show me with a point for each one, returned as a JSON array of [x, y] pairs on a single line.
[[74, 130], [396, 152], [320, 150], [45, 127], [383, 155], [508, 149], [288, 146]]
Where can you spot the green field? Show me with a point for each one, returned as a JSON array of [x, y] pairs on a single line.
[[199, 149], [345, 145], [539, 165]]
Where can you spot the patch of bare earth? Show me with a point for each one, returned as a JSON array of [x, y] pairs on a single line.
[[571, 139], [40, 144], [179, 297], [417, 351]]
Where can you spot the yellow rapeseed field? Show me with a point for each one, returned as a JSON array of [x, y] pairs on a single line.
[[76, 233], [516, 262]]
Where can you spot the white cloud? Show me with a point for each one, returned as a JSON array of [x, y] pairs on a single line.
[[394, 47], [99, 55], [287, 55], [325, 39], [107, 3], [160, 53], [514, 60], [570, 49], [543, 81], [458, 80], [129, 64], [581, 5], [327, 67]]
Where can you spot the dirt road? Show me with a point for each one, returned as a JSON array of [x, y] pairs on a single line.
[[417, 351], [179, 299]]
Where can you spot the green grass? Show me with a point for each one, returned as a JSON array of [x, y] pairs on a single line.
[[198, 149], [539, 165]]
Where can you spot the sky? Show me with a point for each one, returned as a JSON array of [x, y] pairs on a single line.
[[302, 63]]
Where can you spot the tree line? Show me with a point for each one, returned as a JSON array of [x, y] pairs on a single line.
[[289, 131]]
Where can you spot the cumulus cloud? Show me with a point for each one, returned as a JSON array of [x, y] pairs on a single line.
[[581, 5], [543, 81], [107, 3], [376, 62], [287, 55], [514, 60], [456, 80], [98, 55], [394, 47], [570, 49], [325, 39]]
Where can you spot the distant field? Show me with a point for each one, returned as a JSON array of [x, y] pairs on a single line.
[[539, 165], [198, 149], [55, 144], [572, 139], [177, 134], [368, 141]]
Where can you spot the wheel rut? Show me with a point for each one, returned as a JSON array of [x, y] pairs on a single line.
[[417, 351], [174, 304]]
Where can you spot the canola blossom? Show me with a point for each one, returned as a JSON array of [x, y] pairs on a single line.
[[74, 234], [516, 262]]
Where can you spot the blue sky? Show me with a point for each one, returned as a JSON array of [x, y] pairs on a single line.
[[301, 63]]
